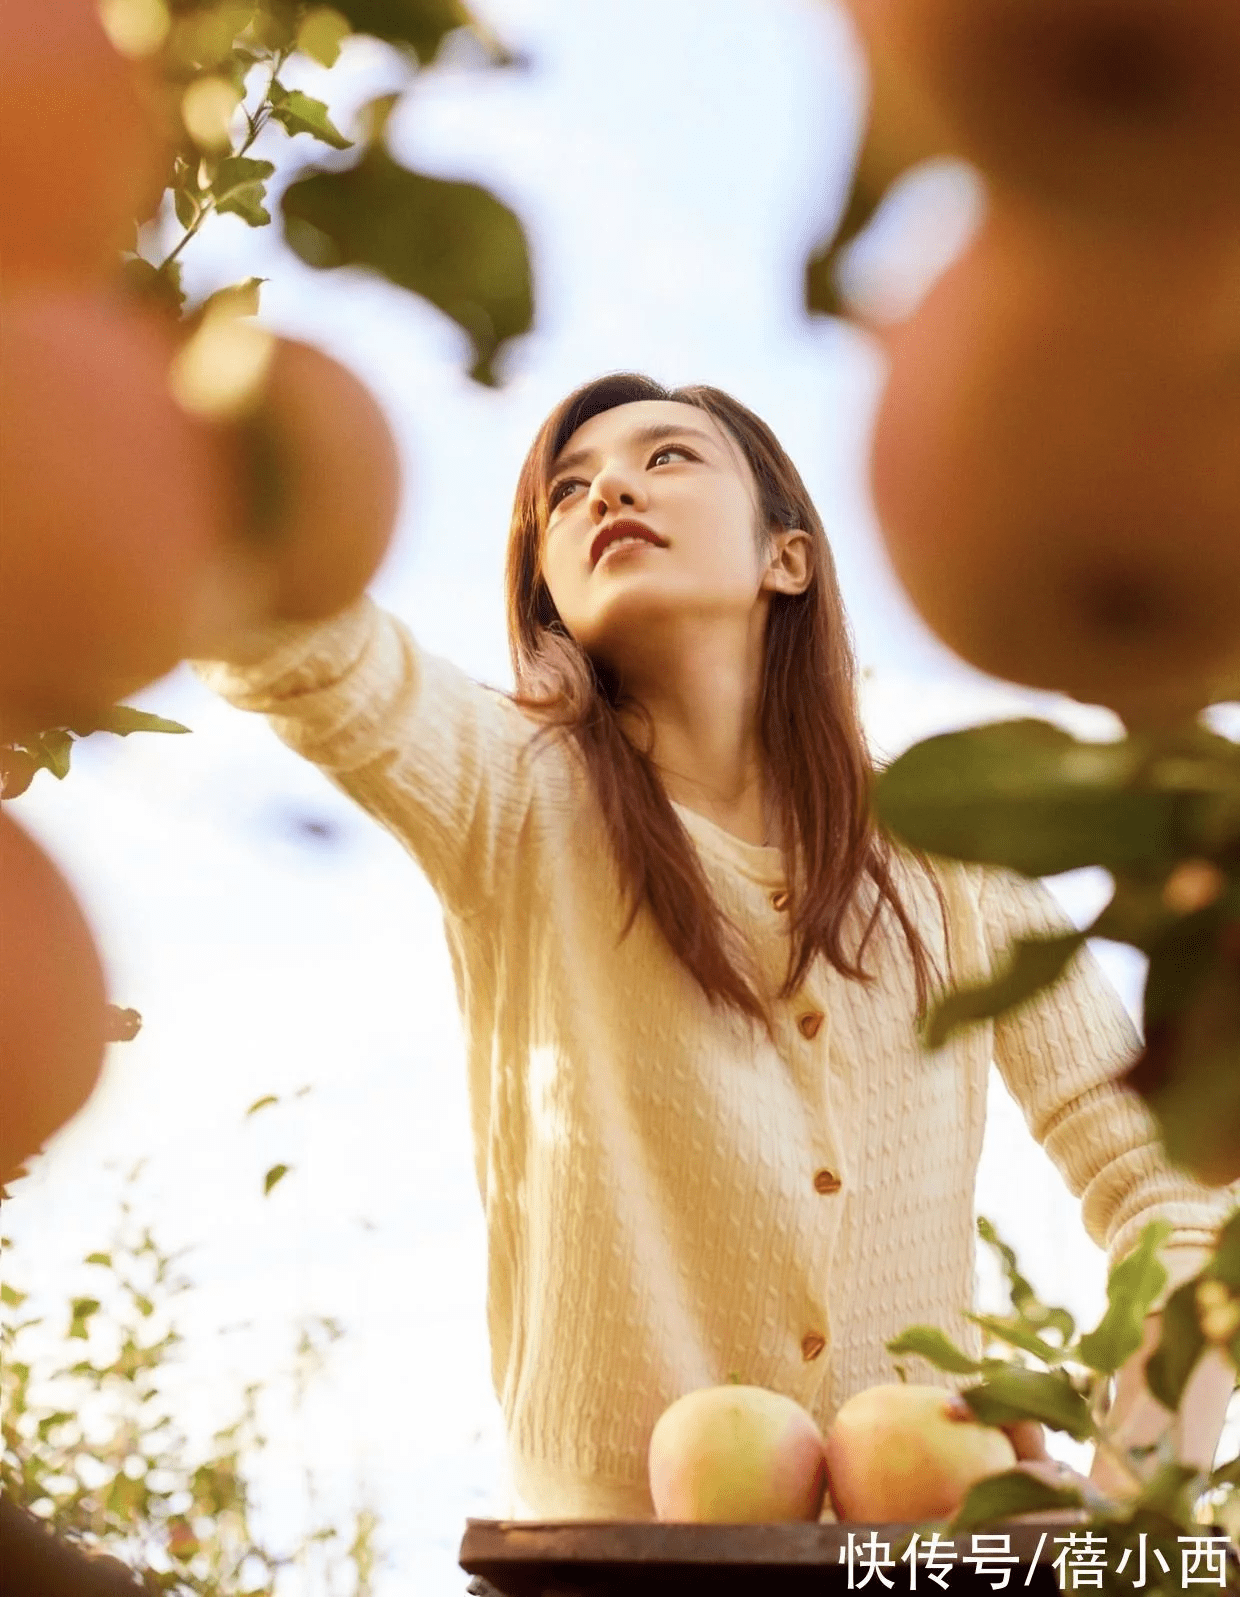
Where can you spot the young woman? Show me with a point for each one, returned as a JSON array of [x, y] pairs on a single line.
[[706, 1140]]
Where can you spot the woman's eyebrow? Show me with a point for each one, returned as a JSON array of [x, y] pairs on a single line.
[[654, 433]]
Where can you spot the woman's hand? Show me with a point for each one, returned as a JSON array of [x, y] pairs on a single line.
[[1028, 1438]]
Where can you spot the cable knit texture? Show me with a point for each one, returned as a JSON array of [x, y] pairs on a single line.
[[647, 1163]]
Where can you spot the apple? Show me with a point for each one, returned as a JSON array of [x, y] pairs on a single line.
[[903, 1453], [330, 479], [1123, 107], [736, 1455], [85, 143], [1055, 462], [52, 1001], [116, 504]]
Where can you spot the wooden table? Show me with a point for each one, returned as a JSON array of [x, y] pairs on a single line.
[[642, 1559]]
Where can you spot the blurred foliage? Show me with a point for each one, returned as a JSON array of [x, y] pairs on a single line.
[[91, 1446], [1158, 809], [454, 244], [51, 750], [1038, 1367]]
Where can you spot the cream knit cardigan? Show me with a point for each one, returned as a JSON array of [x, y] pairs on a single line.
[[669, 1195]]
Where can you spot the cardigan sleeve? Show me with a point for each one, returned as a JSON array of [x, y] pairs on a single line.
[[435, 757], [1059, 1056]]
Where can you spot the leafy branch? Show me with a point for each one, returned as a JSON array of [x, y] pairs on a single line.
[[91, 1447], [1159, 810], [1070, 1391], [452, 243]]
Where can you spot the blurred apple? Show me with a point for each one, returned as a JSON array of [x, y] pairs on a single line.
[[116, 504], [1055, 461], [736, 1455], [52, 1000], [85, 150], [1116, 106], [328, 481]]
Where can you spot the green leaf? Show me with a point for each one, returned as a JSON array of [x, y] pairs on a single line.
[[1132, 1286], [1026, 795], [1181, 1344], [104, 1259], [1188, 1072], [1003, 1496], [262, 1103], [1182, 960], [1030, 1310], [298, 113], [158, 286], [321, 33], [52, 750], [1033, 964], [1224, 1263], [927, 1342], [453, 243], [421, 24], [185, 204], [1010, 1393], [275, 1174], [81, 1311], [11, 1297], [50, 1422], [1171, 1491], [215, 1488], [122, 719], [240, 188], [1016, 1334], [1019, 1290], [237, 299]]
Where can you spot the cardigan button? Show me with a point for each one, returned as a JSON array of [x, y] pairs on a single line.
[[779, 900], [812, 1345], [810, 1023], [826, 1181]]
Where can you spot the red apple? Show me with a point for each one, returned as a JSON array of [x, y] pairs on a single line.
[[52, 1000], [1122, 107], [902, 1453], [1056, 464]]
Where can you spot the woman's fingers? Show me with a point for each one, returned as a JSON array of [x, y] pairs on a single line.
[[1063, 1478], [1028, 1437]]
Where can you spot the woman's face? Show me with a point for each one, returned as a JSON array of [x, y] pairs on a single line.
[[653, 515]]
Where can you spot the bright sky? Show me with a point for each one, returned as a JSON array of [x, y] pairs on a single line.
[[672, 176]]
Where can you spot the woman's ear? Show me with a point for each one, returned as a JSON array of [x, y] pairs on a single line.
[[789, 566]]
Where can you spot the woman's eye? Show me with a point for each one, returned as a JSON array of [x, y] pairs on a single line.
[[559, 491], [671, 449]]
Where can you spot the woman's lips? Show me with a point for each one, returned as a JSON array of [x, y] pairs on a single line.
[[628, 528]]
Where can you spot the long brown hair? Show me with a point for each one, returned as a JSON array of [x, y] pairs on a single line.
[[816, 764]]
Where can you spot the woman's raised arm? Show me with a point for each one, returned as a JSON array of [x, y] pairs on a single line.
[[436, 758]]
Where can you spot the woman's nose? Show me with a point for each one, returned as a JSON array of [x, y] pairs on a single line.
[[612, 489]]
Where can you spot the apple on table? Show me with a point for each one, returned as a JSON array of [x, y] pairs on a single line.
[[736, 1454]]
